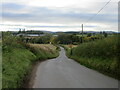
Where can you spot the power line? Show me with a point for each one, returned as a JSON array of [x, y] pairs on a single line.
[[95, 15], [98, 11]]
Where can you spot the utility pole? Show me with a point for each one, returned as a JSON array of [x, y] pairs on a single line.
[[82, 34]]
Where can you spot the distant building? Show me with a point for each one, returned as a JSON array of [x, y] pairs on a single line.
[[55, 35], [30, 35]]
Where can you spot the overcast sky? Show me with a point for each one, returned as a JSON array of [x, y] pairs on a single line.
[[58, 15]]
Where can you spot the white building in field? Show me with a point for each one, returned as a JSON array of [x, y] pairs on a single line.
[[30, 35]]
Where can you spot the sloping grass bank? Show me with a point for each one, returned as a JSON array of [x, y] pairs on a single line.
[[43, 51], [15, 66], [18, 61], [18, 57], [101, 55]]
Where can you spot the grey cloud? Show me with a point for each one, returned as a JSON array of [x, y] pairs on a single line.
[[46, 15], [12, 6]]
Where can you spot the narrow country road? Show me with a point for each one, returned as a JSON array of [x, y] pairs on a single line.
[[63, 72]]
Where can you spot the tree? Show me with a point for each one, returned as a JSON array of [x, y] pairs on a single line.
[[52, 40], [19, 31], [89, 35], [105, 34]]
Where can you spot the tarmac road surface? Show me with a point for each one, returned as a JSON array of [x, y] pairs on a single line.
[[63, 72]]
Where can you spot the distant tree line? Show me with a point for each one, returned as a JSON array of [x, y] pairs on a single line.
[[22, 31], [61, 38], [65, 38]]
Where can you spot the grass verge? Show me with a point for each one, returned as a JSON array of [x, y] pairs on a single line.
[[100, 55], [17, 62]]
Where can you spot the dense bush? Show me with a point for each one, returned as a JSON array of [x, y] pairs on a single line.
[[105, 48], [68, 39]]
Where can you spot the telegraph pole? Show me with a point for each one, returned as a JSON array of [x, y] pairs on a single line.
[[82, 34]]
